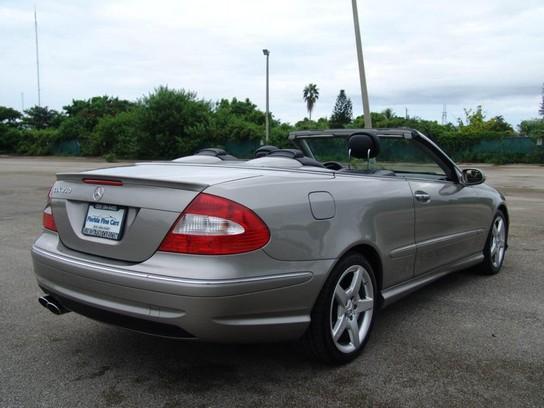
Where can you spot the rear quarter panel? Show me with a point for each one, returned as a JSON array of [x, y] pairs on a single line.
[[376, 211]]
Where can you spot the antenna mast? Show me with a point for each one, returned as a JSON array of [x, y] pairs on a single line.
[[37, 55], [444, 115]]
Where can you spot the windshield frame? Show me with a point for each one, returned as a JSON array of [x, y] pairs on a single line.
[[453, 173]]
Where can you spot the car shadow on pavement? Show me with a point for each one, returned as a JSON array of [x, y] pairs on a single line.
[[196, 367]]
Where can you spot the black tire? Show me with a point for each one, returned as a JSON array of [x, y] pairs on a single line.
[[319, 335], [490, 266]]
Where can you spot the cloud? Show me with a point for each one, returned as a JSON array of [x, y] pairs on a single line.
[[418, 55]]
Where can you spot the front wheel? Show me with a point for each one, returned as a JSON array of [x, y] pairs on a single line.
[[495, 247], [344, 313]]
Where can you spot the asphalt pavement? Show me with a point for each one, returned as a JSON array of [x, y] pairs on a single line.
[[464, 341]]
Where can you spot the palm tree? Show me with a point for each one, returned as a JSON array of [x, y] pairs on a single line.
[[388, 113], [310, 94]]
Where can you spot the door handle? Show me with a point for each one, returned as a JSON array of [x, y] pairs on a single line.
[[422, 196]]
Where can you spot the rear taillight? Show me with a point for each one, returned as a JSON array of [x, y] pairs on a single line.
[[48, 221], [213, 225]]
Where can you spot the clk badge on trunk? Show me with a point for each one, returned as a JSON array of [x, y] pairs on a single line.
[[98, 193]]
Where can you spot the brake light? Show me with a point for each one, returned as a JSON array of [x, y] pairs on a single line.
[[103, 182], [48, 221], [213, 225]]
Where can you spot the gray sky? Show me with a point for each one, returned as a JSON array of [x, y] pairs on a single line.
[[418, 54]]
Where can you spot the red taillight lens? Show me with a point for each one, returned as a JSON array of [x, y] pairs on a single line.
[[48, 221], [213, 225]]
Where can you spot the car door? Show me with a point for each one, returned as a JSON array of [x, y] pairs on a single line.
[[448, 223], [449, 217]]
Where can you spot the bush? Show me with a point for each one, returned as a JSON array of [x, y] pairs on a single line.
[[34, 142], [9, 138], [173, 123], [110, 157], [117, 135]]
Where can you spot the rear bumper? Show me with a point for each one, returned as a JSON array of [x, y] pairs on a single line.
[[242, 298]]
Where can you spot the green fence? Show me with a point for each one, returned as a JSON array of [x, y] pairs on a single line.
[[242, 149], [499, 151], [66, 148]]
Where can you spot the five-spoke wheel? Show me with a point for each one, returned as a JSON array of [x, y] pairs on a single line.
[[344, 311], [495, 247], [498, 242], [351, 308]]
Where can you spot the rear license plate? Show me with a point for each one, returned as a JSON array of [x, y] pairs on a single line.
[[104, 221]]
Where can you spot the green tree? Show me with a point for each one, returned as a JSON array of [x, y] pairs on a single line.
[[9, 116], [533, 128], [279, 133], [41, 117], [308, 124], [94, 108], [388, 113], [173, 123], [118, 135], [237, 121], [36, 142], [342, 112], [475, 122], [310, 94], [82, 116]]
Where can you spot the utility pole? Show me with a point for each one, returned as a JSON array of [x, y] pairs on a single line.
[[37, 55], [267, 125], [362, 76], [406, 112], [22, 102], [444, 115]]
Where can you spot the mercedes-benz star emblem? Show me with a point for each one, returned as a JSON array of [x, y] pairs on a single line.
[[98, 193]]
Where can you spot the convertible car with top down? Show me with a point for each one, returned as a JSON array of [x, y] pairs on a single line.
[[308, 242]]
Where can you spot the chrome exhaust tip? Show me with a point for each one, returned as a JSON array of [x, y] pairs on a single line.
[[51, 304], [43, 301]]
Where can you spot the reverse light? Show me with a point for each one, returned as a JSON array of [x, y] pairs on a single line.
[[213, 225], [195, 224]]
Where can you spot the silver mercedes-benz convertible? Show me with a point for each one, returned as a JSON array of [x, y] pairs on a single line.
[[306, 242]]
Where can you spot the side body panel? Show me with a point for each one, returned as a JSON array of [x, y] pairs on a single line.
[[377, 211], [451, 225]]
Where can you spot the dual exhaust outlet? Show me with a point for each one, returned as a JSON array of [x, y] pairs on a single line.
[[52, 305]]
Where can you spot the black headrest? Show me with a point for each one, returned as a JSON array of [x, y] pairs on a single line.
[[297, 155], [265, 150], [364, 145], [211, 151], [290, 153], [215, 152]]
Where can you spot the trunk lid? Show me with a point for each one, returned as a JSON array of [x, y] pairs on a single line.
[[152, 196]]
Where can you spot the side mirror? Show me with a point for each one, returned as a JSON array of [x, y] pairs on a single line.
[[472, 177]]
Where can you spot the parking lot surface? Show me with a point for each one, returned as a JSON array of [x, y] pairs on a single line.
[[464, 341]]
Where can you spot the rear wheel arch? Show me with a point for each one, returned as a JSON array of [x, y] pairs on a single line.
[[373, 257]]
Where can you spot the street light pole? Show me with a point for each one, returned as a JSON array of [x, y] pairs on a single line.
[[267, 125], [362, 76]]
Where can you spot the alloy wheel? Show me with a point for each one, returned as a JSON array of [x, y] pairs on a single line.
[[352, 306], [498, 242]]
